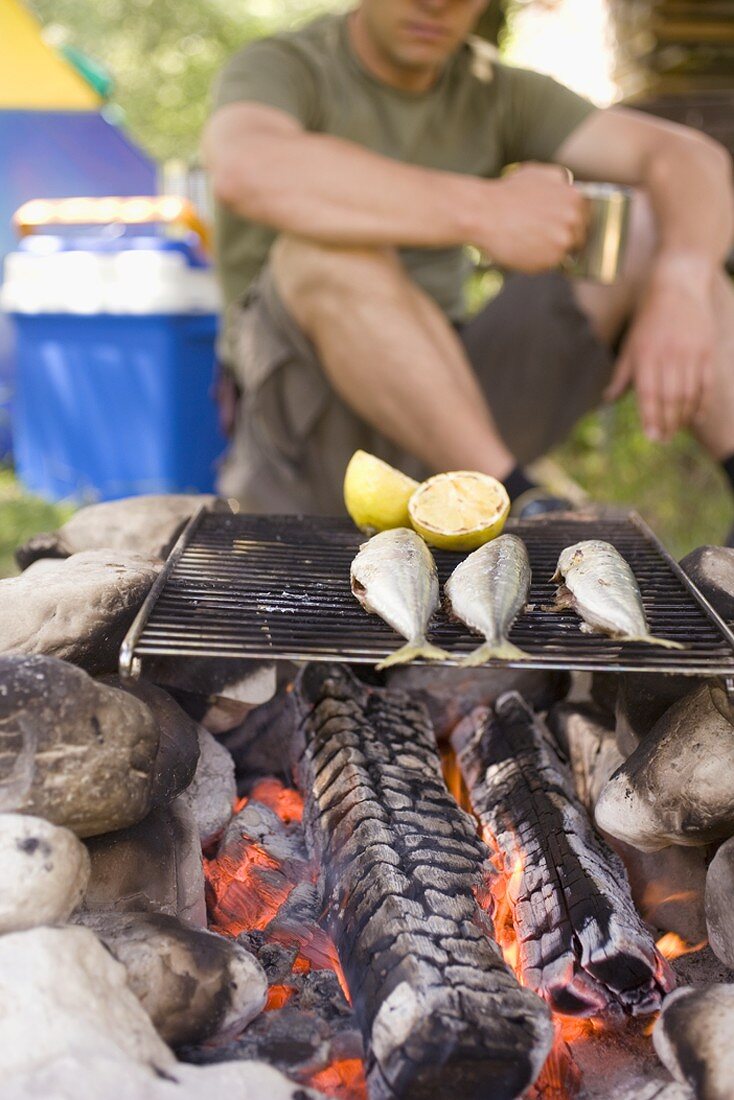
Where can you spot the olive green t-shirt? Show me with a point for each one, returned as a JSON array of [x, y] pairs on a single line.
[[479, 116]]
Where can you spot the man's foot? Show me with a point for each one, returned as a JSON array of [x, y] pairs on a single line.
[[539, 502], [730, 538]]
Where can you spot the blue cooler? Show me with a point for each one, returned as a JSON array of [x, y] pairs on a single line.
[[115, 367]]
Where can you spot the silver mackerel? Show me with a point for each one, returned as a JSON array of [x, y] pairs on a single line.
[[394, 576], [487, 591], [600, 586]]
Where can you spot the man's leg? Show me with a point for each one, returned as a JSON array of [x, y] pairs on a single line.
[[390, 353], [714, 425]]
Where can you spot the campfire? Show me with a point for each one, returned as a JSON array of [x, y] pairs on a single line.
[[434, 883]]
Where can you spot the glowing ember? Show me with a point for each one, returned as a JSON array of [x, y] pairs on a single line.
[[246, 888], [560, 1078], [285, 801], [672, 946], [301, 965], [342, 1080], [317, 951], [278, 996]]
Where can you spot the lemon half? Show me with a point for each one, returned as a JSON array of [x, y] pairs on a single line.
[[460, 510], [376, 495]]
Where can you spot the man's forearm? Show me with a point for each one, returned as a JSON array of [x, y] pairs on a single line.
[[689, 182], [336, 192]]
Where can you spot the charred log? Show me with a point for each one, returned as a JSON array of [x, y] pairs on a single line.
[[440, 1013], [581, 944]]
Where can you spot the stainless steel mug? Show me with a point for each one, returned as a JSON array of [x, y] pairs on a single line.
[[602, 255]]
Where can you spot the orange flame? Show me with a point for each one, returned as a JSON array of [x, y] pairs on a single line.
[[505, 891], [453, 778], [671, 946]]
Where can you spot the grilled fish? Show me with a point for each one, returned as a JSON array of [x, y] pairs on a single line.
[[487, 591], [601, 588], [394, 576]]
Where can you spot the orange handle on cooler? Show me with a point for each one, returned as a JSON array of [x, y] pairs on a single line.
[[133, 210]]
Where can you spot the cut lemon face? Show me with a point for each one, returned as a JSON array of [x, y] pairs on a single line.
[[376, 495], [459, 511]]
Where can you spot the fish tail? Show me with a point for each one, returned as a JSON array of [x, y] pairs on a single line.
[[411, 650], [655, 639], [502, 651]]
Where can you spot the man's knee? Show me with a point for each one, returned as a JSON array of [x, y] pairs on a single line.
[[312, 277]]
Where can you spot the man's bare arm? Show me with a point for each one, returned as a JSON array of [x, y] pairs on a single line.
[[264, 166], [668, 355]]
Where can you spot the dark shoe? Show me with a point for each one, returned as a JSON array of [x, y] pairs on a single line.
[[730, 538], [539, 502]]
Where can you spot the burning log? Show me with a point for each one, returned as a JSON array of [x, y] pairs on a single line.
[[581, 944], [667, 886], [440, 1012]]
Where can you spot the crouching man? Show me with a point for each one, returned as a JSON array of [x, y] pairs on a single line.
[[352, 160]]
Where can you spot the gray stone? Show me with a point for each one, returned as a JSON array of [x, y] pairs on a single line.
[[604, 686], [720, 903], [213, 791], [90, 1075], [78, 610], [643, 699], [711, 568], [44, 872], [693, 1039], [155, 866], [88, 750], [261, 744], [193, 984], [587, 740], [208, 681], [668, 888], [178, 749], [676, 787], [62, 993], [147, 525]]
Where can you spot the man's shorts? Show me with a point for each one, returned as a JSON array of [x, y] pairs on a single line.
[[532, 349]]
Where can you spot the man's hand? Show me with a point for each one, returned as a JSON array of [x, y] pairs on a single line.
[[534, 218], [668, 355]]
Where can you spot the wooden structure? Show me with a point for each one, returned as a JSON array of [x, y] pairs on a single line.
[[676, 60]]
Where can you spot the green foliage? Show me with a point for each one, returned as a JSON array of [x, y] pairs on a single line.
[[21, 516], [680, 492], [164, 54]]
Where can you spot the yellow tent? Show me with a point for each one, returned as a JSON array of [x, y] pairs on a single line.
[[32, 76]]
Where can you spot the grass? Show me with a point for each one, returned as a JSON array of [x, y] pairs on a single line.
[[23, 515], [681, 493]]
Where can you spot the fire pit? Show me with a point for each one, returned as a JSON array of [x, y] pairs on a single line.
[[405, 895]]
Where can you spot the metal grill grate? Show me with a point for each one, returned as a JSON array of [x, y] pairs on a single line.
[[277, 587]]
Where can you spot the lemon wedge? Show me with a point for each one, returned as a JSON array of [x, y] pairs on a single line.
[[460, 510], [376, 495]]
